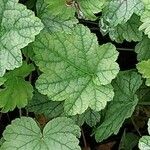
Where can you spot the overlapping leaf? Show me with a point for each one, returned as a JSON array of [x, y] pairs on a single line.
[[89, 117], [123, 105], [56, 15], [120, 11], [24, 134], [143, 49], [144, 68], [90, 7], [145, 18], [144, 143], [76, 69], [18, 27], [128, 31], [16, 91], [41, 104]]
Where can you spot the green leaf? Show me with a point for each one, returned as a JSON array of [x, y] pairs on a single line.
[[2, 80], [128, 141], [76, 69], [128, 31], [16, 91], [18, 28], [60, 8], [144, 68], [122, 106], [91, 118], [146, 4], [144, 95], [145, 19], [41, 104], [144, 142], [56, 15], [120, 11], [90, 7], [58, 134], [1, 141], [143, 49], [28, 52]]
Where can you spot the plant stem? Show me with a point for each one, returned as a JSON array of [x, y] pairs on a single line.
[[20, 112], [144, 103], [8, 117], [84, 140], [135, 126], [125, 49]]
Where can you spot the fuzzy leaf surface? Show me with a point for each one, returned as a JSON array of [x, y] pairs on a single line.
[[125, 86], [41, 104], [89, 117], [16, 91], [18, 27], [144, 68], [128, 31], [25, 134], [143, 49], [120, 11], [90, 7], [144, 142], [76, 69], [56, 15]]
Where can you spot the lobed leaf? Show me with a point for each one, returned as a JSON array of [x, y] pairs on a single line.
[[18, 27], [128, 31], [25, 134], [144, 142], [120, 11], [16, 91], [144, 68], [76, 69], [56, 15], [143, 49]]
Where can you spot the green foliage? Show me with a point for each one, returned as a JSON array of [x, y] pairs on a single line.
[[82, 77], [144, 68], [18, 28], [41, 104], [143, 49], [55, 19], [144, 142], [69, 74], [119, 12], [125, 100], [128, 31], [128, 141], [16, 91], [59, 133]]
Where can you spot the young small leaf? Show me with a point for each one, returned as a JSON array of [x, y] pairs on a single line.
[[144, 68], [25, 134], [16, 91]]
